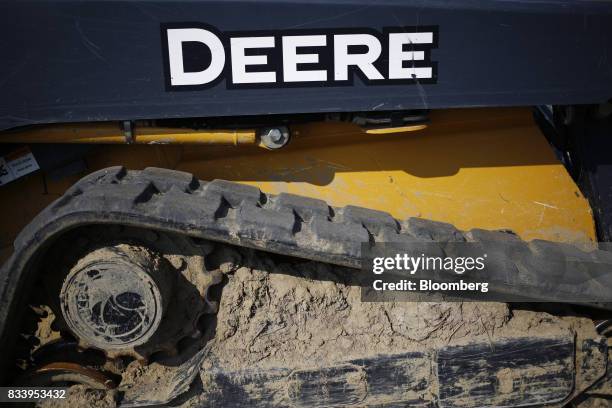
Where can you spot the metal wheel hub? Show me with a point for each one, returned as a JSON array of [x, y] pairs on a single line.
[[115, 297]]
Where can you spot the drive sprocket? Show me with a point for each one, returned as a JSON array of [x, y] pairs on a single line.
[[131, 292]]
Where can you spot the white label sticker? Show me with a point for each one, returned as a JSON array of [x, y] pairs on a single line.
[[6, 174], [17, 164]]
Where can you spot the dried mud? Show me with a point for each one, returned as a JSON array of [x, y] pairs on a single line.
[[275, 312]]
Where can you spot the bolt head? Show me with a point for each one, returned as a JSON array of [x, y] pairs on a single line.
[[275, 135], [274, 138]]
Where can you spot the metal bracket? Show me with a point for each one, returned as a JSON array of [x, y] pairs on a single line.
[[128, 131]]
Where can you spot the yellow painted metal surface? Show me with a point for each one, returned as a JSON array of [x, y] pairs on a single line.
[[474, 168], [112, 133]]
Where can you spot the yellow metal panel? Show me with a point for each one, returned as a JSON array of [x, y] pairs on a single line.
[[474, 168]]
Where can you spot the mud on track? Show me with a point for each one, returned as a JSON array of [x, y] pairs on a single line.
[[275, 312]]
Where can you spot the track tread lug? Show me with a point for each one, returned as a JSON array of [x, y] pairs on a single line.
[[263, 224], [104, 176], [432, 230], [373, 220], [164, 179], [234, 193], [343, 237], [305, 207]]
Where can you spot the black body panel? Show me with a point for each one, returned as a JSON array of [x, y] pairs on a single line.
[[87, 60]]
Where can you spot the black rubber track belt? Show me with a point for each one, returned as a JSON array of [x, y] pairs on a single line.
[[287, 224]]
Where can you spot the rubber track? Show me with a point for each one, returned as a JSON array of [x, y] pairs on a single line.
[[287, 224]]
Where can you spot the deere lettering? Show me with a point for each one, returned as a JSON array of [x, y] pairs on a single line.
[[199, 56]]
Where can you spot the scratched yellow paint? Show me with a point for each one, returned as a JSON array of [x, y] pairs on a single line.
[[474, 168], [486, 168]]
